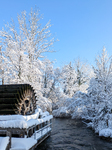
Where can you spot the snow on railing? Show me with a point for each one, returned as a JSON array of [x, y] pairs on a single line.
[[41, 132]]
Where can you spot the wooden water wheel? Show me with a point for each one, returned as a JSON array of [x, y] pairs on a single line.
[[17, 99]]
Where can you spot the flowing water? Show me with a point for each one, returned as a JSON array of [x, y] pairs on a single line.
[[68, 134]]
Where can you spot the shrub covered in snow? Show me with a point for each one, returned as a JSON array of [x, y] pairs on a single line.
[[73, 107]]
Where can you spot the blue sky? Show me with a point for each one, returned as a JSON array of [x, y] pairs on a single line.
[[83, 27]]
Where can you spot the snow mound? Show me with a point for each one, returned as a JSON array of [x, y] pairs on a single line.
[[75, 107], [61, 112], [11, 117], [24, 122], [106, 132]]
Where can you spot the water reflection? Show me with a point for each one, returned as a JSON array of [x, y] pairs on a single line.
[[70, 134]]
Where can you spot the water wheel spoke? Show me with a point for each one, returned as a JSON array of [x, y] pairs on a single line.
[[20, 97]]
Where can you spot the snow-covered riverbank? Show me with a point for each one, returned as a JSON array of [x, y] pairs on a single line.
[[82, 107]]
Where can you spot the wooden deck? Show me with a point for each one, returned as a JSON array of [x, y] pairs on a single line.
[[36, 134]]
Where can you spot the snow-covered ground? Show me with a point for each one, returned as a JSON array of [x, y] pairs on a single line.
[[22, 143], [4, 142]]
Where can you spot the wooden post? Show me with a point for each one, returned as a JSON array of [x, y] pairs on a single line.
[[9, 134]]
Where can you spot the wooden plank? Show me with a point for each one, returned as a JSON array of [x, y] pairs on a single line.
[[9, 100], [13, 85], [7, 112], [9, 106], [9, 95]]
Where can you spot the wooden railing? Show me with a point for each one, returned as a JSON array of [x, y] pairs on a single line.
[[42, 129]]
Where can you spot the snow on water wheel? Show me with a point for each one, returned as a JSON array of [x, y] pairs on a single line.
[[17, 99]]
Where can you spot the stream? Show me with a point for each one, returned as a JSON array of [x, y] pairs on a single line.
[[68, 134]]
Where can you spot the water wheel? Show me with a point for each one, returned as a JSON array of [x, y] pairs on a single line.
[[17, 99]]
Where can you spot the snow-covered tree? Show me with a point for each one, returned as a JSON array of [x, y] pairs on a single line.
[[84, 73], [100, 92], [47, 77], [50, 80], [1, 67], [23, 47], [101, 85], [75, 77], [54, 92], [68, 78]]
